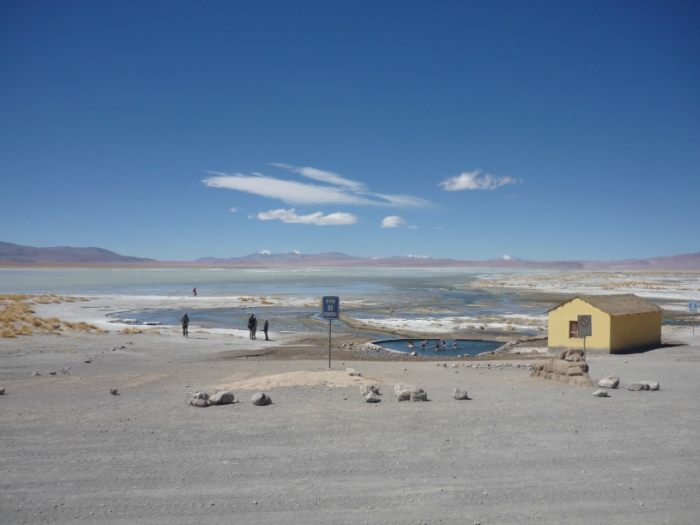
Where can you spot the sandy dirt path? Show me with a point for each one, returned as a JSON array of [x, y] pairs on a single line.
[[523, 450]]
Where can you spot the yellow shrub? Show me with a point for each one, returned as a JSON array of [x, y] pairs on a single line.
[[7, 333]]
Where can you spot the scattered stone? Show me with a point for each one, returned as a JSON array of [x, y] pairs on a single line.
[[65, 370], [114, 391], [225, 397], [372, 398], [352, 372], [369, 389], [420, 395], [261, 399], [573, 372], [609, 382], [601, 393], [36, 374], [198, 399], [414, 353], [643, 385], [151, 323], [572, 354], [88, 360], [405, 395], [460, 394], [2, 390], [52, 373]]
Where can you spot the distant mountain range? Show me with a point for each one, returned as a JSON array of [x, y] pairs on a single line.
[[65, 255], [15, 253]]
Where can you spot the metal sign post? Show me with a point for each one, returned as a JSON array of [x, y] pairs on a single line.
[[585, 328], [693, 307], [331, 309]]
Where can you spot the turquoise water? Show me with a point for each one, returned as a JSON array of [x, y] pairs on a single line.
[[470, 347]]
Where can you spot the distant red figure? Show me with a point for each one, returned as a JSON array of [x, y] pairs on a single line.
[[194, 291]]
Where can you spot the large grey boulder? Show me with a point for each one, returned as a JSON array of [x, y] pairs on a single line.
[[261, 399], [372, 398], [609, 382], [638, 387], [198, 399], [460, 394], [420, 395], [225, 397], [403, 392]]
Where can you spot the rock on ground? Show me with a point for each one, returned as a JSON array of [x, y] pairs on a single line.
[[420, 395], [609, 382], [261, 399], [225, 397], [372, 398], [643, 385], [460, 394], [601, 393], [198, 399], [573, 372]]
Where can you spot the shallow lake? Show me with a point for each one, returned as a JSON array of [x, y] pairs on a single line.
[[472, 347]]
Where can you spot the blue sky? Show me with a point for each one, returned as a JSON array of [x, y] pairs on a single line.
[[469, 130]]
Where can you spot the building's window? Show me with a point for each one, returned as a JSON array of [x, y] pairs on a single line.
[[573, 328]]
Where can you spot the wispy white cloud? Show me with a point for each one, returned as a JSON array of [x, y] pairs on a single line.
[[324, 176], [393, 221], [233, 210], [288, 191], [336, 189], [290, 216], [473, 180]]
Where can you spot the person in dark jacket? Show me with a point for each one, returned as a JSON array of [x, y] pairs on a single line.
[[266, 325], [252, 325], [185, 320]]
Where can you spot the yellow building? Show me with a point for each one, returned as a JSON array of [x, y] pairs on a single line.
[[619, 322]]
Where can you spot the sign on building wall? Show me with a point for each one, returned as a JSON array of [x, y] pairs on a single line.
[[584, 326]]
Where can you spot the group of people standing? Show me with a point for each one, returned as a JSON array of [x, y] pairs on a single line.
[[252, 323], [253, 327]]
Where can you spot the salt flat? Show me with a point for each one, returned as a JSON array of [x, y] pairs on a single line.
[[522, 450]]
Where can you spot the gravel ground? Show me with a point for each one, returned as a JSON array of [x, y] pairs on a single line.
[[522, 450]]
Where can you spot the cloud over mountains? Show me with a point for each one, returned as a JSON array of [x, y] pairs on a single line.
[[336, 189]]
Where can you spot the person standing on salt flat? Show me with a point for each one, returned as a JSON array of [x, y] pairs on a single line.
[[185, 320], [252, 325], [266, 325]]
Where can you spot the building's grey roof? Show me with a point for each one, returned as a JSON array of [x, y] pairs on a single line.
[[617, 304]]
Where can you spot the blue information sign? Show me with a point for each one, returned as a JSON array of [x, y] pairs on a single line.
[[331, 307], [693, 306]]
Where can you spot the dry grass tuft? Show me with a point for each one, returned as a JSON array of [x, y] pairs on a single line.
[[128, 330], [18, 318]]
